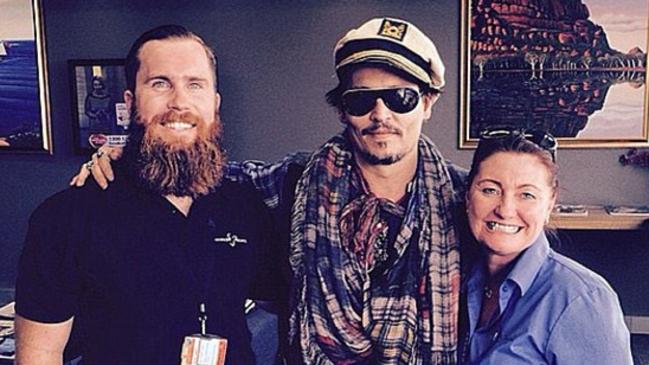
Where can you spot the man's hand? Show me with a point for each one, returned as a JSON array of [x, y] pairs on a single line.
[[41, 343], [99, 166]]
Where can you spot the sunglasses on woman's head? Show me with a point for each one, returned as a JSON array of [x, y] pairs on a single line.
[[540, 138], [358, 102]]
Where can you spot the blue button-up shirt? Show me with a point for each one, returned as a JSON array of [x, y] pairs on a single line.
[[552, 310]]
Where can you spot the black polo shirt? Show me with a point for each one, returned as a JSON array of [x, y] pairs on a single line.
[[132, 269]]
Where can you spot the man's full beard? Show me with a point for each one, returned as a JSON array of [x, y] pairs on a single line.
[[193, 169]]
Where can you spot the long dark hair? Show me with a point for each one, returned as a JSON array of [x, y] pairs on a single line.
[[334, 96]]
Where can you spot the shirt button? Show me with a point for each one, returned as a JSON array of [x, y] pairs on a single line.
[[494, 337], [506, 289]]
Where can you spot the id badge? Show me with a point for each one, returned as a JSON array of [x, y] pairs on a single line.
[[203, 350]]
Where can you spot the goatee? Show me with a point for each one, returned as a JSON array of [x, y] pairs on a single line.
[[172, 168], [366, 155]]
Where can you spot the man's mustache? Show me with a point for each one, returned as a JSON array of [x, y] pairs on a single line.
[[374, 127], [174, 116]]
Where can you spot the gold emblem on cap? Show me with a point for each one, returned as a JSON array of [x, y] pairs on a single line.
[[393, 29]]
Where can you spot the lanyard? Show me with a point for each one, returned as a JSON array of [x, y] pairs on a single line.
[[200, 263], [202, 318], [494, 326]]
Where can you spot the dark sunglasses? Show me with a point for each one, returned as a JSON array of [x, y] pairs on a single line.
[[540, 138], [358, 102]]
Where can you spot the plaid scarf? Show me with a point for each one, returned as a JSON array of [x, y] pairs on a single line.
[[362, 229], [341, 316]]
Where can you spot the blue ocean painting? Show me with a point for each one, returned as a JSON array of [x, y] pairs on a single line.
[[20, 124]]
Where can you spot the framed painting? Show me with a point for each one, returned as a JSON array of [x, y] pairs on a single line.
[[99, 111], [24, 100], [577, 69]]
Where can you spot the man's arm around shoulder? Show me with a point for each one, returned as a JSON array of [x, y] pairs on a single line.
[[41, 343]]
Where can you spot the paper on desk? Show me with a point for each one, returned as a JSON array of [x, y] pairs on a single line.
[[570, 210], [7, 311], [8, 349], [6, 328]]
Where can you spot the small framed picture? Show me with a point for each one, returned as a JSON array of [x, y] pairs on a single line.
[[99, 112]]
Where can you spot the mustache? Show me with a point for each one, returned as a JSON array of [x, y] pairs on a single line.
[[175, 116], [376, 126]]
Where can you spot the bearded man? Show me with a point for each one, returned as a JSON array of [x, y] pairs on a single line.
[[130, 268]]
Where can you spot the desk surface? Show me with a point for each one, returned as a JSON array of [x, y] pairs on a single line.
[[597, 218]]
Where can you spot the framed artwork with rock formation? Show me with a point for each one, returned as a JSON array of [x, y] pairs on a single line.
[[24, 101], [577, 69]]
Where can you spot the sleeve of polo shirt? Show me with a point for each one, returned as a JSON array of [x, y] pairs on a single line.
[[47, 282], [591, 330]]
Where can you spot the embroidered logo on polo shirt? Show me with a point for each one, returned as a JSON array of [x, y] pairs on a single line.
[[230, 239], [393, 29]]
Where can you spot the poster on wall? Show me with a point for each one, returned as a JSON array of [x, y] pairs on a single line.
[[99, 111], [24, 104], [575, 68]]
